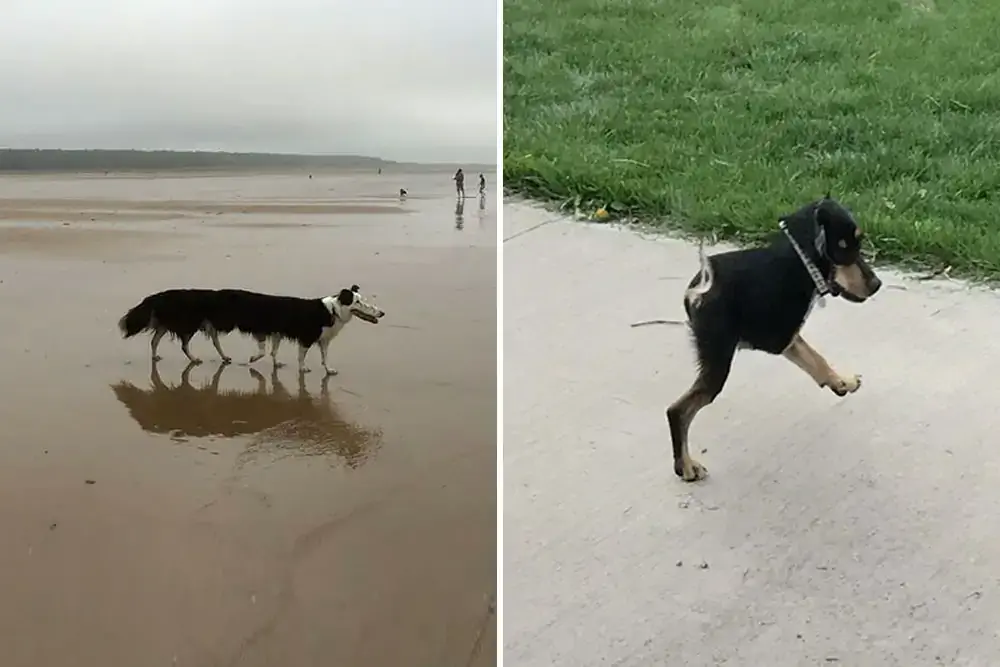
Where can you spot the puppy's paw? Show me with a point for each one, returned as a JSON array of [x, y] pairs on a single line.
[[156, 358], [690, 470], [844, 385], [304, 369], [331, 371], [226, 361], [196, 361], [278, 364]]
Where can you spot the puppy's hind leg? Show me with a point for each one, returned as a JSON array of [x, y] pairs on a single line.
[[715, 361]]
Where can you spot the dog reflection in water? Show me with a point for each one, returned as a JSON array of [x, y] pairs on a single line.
[[277, 421]]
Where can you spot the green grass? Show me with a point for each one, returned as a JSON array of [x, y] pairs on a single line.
[[721, 117]]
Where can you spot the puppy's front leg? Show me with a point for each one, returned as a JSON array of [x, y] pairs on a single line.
[[812, 362]]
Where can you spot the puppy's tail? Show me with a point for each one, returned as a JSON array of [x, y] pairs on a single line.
[[137, 319], [706, 278]]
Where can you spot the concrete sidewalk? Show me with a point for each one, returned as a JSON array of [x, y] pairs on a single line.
[[855, 531]]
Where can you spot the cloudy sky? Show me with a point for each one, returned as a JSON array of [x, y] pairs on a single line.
[[413, 80]]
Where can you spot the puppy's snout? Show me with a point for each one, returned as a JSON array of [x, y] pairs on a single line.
[[874, 285]]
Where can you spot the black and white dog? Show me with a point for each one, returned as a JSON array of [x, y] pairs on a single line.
[[184, 312]]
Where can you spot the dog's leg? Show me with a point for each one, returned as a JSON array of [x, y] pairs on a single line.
[[715, 366], [275, 344], [303, 350], [324, 345], [154, 343], [812, 362], [184, 348], [261, 340], [214, 335]]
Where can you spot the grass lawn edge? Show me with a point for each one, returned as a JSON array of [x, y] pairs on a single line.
[[522, 189]]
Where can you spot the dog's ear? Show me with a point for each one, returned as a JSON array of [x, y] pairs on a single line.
[[820, 240], [346, 297], [355, 289]]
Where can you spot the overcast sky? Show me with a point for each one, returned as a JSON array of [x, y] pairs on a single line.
[[411, 80]]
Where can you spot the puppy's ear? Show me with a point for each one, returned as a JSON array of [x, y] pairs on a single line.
[[820, 241], [346, 297], [355, 289], [821, 217]]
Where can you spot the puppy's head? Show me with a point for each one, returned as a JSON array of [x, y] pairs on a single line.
[[352, 303], [839, 239]]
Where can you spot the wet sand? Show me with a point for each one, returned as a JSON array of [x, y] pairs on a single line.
[[200, 515]]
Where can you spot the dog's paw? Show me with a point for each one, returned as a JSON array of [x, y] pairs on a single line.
[[255, 358], [304, 369], [196, 361], [226, 361], [331, 371], [844, 385], [690, 470], [278, 364], [156, 358]]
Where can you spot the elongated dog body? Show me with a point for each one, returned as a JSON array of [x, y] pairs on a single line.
[[184, 312], [759, 299]]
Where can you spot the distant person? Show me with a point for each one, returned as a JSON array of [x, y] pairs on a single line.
[[402, 193], [380, 171], [482, 184], [459, 179]]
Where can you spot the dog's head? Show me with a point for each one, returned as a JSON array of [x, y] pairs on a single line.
[[838, 239], [829, 234], [352, 303]]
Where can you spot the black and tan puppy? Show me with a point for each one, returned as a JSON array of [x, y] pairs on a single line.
[[759, 299]]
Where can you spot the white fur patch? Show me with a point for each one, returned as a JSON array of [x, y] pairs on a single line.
[[342, 316], [706, 279]]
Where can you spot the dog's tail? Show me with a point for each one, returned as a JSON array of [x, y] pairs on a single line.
[[706, 278], [138, 319]]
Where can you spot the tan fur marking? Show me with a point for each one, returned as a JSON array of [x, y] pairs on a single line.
[[850, 278], [815, 366], [693, 400], [706, 278]]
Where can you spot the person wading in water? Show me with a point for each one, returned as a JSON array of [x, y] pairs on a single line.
[[459, 179]]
